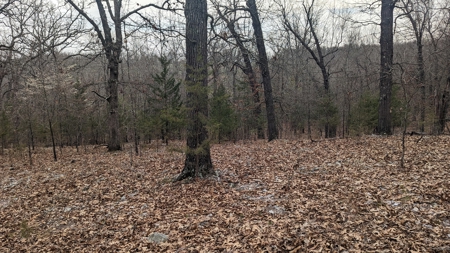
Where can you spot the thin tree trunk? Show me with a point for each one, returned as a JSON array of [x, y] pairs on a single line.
[[31, 135], [421, 72], [53, 140], [264, 66], [443, 106], [30, 153], [136, 142]]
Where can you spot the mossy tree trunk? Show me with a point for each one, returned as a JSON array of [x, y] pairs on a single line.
[[198, 157]]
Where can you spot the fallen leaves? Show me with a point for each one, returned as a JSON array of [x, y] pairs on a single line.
[[341, 195]]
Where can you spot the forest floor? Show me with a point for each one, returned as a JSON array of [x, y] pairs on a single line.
[[340, 195]]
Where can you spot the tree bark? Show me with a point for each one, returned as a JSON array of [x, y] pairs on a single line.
[[387, 52], [264, 66], [113, 50], [198, 158], [442, 108]]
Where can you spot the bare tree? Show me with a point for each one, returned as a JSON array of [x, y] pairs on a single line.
[[198, 158], [5, 5], [418, 14], [112, 40], [309, 38], [437, 28]]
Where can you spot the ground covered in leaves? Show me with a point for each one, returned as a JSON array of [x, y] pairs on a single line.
[[341, 195]]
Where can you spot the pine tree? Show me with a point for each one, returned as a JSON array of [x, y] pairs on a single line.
[[223, 119], [166, 101]]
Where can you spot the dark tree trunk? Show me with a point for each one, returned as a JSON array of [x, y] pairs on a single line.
[[136, 141], [442, 109], [113, 103], [443, 112], [264, 66], [112, 51], [198, 158], [53, 140], [387, 52]]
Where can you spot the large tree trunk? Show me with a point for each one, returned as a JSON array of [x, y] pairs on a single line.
[[113, 50], [387, 52], [264, 66], [198, 158]]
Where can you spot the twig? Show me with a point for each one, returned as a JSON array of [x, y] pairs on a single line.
[[107, 99]]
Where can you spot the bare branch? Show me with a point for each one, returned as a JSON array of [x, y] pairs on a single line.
[[90, 20], [102, 97], [162, 7]]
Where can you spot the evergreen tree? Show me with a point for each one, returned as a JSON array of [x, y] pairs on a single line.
[[5, 129], [166, 101], [364, 116], [223, 119]]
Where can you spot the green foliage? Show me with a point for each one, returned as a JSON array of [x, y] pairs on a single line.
[[5, 126], [166, 110], [223, 120], [299, 116], [364, 116], [397, 105], [166, 90], [327, 112], [248, 120], [25, 230]]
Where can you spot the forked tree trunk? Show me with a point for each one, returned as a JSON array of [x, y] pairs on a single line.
[[198, 158]]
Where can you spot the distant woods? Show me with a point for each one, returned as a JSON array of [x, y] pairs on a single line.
[[113, 72]]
